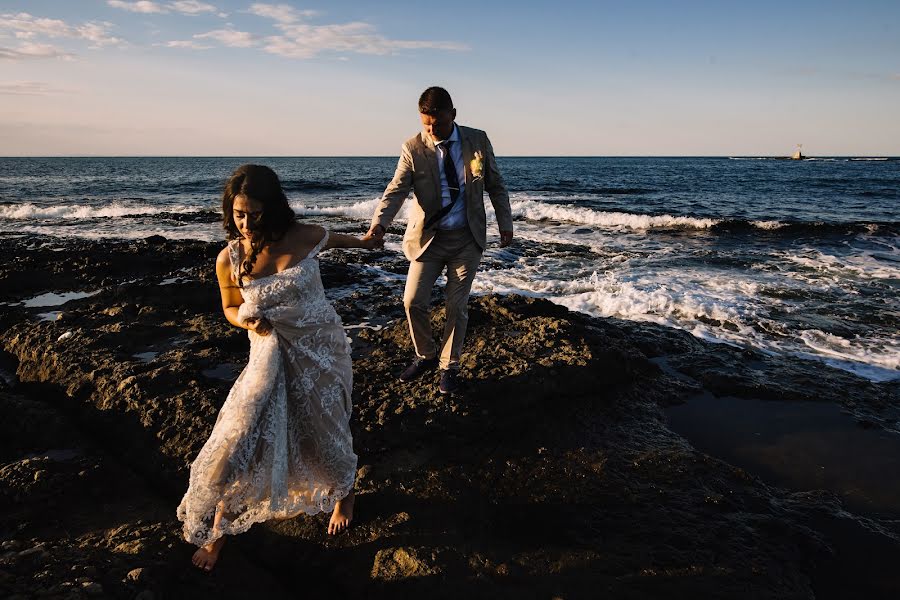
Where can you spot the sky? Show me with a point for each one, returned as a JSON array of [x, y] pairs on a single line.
[[342, 78]]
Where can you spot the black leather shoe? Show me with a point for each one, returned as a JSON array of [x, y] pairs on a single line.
[[417, 367], [449, 381]]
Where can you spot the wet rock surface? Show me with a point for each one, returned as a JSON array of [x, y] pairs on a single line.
[[552, 474]]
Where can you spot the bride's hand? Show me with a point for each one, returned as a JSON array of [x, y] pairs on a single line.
[[372, 242], [260, 326]]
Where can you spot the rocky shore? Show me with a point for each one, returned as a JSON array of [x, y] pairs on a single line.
[[554, 474]]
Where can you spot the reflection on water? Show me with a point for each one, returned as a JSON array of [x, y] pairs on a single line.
[[54, 299], [145, 357], [799, 446]]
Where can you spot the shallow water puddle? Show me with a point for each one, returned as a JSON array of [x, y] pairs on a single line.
[[797, 445], [145, 357], [59, 454], [54, 299]]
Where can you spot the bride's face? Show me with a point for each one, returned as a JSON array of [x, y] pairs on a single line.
[[247, 213]]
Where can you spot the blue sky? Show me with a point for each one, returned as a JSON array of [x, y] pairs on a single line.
[[198, 77]]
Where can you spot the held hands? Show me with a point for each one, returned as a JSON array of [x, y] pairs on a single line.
[[374, 238], [260, 326], [505, 238], [376, 231], [370, 242]]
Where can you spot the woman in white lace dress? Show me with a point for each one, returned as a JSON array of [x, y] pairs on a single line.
[[281, 445]]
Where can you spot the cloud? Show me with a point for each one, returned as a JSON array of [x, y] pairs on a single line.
[[192, 7], [299, 39], [296, 37], [33, 51], [96, 33], [305, 41], [229, 37], [29, 88], [26, 27], [143, 6], [190, 44], [185, 7], [282, 13]]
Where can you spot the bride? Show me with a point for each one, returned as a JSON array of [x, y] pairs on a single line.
[[281, 444]]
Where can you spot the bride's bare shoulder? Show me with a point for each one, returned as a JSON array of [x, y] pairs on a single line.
[[224, 257], [223, 262]]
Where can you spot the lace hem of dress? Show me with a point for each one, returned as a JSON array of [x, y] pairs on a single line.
[[201, 530]]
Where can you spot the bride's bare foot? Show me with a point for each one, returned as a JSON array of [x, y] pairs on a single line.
[[342, 515], [205, 558]]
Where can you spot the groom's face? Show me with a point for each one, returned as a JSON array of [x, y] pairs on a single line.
[[439, 125]]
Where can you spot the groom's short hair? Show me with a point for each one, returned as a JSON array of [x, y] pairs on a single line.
[[434, 100]]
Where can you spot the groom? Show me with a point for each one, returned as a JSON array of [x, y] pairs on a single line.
[[448, 168]]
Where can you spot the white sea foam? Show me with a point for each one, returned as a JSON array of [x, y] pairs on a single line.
[[206, 232], [821, 267], [525, 207], [393, 247], [538, 211], [658, 296], [81, 212], [362, 210], [875, 352], [632, 282], [712, 306], [769, 225], [596, 242], [661, 298]]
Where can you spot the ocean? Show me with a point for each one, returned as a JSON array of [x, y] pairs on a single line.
[[797, 258]]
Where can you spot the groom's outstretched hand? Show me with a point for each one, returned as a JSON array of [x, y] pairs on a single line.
[[505, 238], [376, 231]]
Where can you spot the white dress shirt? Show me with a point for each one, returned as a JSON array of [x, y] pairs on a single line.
[[456, 218]]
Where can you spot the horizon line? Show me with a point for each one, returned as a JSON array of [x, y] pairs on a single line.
[[778, 156]]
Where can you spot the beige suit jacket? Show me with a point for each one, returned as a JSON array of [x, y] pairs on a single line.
[[417, 172]]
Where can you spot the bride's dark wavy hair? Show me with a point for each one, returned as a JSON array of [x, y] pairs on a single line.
[[262, 185]]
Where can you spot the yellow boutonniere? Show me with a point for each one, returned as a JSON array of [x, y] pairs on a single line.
[[477, 165]]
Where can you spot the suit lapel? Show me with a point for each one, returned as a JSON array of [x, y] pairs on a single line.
[[431, 158]]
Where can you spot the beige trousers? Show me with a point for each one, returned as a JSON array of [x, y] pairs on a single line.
[[457, 251]]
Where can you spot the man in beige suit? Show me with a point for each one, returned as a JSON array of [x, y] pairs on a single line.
[[448, 168]]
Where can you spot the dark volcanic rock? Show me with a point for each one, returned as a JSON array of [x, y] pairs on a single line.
[[553, 473], [75, 518], [37, 264]]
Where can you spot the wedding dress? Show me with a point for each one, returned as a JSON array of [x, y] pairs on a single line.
[[281, 444]]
